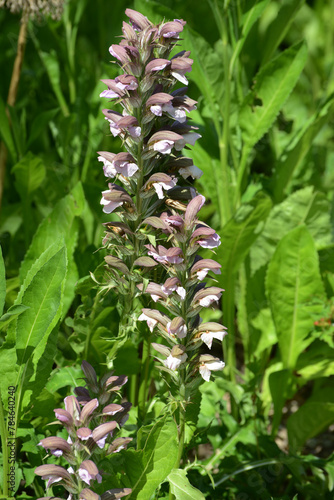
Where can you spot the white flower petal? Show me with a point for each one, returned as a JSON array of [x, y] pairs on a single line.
[[164, 147], [205, 372]]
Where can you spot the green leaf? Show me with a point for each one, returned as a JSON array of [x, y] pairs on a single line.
[[66, 376], [295, 292], [42, 297], [262, 322], [302, 207], [40, 124], [5, 131], [60, 225], [298, 148], [211, 178], [278, 29], [181, 488], [240, 232], [52, 66], [316, 362], [28, 333], [311, 418], [29, 174], [2, 283], [249, 17], [280, 384], [273, 85], [207, 70], [148, 468], [11, 314], [155, 11]]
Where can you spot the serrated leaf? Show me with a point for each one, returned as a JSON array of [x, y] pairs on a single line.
[[33, 327], [314, 416], [302, 207], [148, 468], [207, 70], [181, 488], [273, 85], [59, 226], [240, 232], [295, 292]]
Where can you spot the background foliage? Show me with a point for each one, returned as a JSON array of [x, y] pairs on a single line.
[[263, 78]]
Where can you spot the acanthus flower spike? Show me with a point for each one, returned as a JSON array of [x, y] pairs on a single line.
[[159, 230], [90, 428]]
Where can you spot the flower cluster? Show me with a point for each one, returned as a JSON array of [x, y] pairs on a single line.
[[184, 294], [152, 187], [35, 8], [153, 127], [91, 429]]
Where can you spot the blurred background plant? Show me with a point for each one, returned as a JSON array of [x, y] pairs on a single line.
[[263, 79]]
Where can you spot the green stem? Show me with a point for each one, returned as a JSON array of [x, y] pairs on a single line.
[[241, 175], [142, 396], [4, 437], [182, 421], [224, 143], [228, 317]]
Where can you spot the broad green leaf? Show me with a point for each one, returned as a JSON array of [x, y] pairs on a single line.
[[302, 207], [2, 283], [273, 85], [5, 131], [29, 174], [148, 468], [240, 232], [56, 226], [66, 376], [60, 225], [42, 296], [298, 148], [295, 292], [42, 299], [181, 488], [252, 10], [37, 372], [278, 29], [313, 417]]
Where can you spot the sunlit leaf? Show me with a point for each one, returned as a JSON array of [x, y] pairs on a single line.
[[148, 468], [181, 488], [295, 292], [272, 86]]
